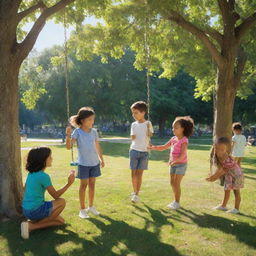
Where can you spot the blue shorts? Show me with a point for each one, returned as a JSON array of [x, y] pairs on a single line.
[[138, 160], [86, 172], [41, 212], [178, 169]]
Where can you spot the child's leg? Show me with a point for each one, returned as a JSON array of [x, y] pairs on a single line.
[[54, 219], [172, 182], [82, 189], [134, 180], [91, 184], [139, 174], [226, 198], [177, 189], [237, 198]]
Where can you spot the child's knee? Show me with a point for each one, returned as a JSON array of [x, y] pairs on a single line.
[[83, 187], [62, 202]]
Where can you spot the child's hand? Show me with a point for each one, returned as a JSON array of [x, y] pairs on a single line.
[[210, 179], [68, 131], [172, 163], [71, 177], [150, 146], [102, 163]]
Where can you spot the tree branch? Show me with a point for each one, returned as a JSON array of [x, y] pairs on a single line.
[[23, 14], [200, 34], [27, 44], [241, 61], [244, 27], [214, 34], [224, 9]]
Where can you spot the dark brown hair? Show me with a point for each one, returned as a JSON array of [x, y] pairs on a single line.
[[83, 113], [187, 123], [140, 105], [36, 159], [237, 126]]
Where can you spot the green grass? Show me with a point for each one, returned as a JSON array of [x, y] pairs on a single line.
[[146, 228]]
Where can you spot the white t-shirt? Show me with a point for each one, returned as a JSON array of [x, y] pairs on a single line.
[[140, 130], [239, 145]]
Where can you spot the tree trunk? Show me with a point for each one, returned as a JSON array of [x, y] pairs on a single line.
[[10, 159], [225, 98], [161, 125]]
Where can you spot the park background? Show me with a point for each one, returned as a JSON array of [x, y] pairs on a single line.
[[110, 58]]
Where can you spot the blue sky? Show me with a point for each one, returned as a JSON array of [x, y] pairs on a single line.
[[53, 34]]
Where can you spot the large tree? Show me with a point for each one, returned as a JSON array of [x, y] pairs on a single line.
[[213, 39], [15, 46]]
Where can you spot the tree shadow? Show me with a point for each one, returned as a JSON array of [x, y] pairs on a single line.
[[41, 242], [250, 177], [116, 238], [140, 241], [248, 170], [243, 232]]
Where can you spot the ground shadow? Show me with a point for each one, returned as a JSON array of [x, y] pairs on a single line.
[[116, 238], [243, 232], [134, 240]]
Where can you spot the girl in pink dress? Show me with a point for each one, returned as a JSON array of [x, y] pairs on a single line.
[[229, 170], [182, 128]]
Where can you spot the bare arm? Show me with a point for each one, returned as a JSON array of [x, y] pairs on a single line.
[[99, 152], [160, 147], [220, 172], [69, 141], [57, 193]]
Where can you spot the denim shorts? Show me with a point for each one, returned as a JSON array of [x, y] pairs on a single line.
[[41, 212], [86, 172], [138, 160], [178, 169]]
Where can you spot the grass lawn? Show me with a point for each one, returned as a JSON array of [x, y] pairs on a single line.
[[147, 228]]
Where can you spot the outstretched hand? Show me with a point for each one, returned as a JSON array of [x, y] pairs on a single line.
[[71, 177]]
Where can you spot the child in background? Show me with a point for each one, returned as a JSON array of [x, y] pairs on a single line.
[[35, 208], [182, 129], [238, 143], [89, 156], [227, 167], [141, 131]]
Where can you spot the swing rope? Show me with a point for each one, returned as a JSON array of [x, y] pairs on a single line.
[[66, 70]]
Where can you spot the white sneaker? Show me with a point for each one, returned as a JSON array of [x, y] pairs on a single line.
[[220, 208], [83, 214], [132, 194], [24, 230], [174, 205], [234, 211], [93, 210], [135, 198]]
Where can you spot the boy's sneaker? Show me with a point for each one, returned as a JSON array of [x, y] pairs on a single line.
[[220, 208], [83, 214], [93, 210], [234, 211], [174, 205], [24, 230], [135, 199]]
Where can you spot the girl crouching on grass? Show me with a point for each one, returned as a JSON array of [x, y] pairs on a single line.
[[229, 170], [41, 213]]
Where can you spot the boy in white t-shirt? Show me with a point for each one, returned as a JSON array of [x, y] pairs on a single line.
[[141, 131], [238, 143]]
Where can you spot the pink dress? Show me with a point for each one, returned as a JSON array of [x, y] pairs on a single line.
[[233, 177]]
